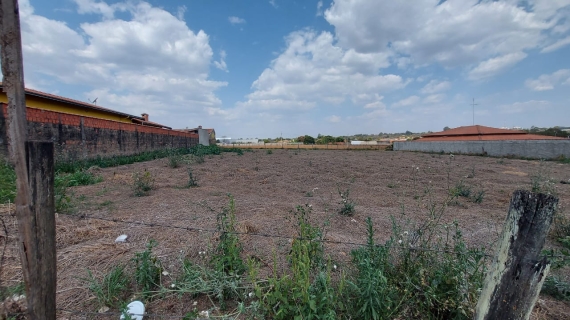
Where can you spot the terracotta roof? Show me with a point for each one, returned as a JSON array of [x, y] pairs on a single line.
[[482, 133], [490, 137], [473, 130], [49, 96]]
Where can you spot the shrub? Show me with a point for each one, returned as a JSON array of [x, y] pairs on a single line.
[[143, 182], [269, 151]]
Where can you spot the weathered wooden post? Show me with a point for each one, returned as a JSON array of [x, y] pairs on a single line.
[[517, 273], [33, 163]]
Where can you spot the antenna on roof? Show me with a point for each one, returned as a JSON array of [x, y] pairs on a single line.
[[473, 105], [94, 101]]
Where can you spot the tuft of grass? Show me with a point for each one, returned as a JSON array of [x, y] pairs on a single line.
[[110, 290], [143, 183], [174, 159], [556, 287], [147, 270], [269, 151], [17, 289]]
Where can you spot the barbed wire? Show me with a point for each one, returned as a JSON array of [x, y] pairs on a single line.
[[258, 234]]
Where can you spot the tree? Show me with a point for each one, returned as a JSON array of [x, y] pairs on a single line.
[[446, 128], [339, 139], [308, 140]]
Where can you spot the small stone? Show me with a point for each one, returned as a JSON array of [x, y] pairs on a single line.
[[165, 273], [103, 309], [122, 238]]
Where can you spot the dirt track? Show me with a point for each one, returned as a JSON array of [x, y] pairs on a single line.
[[266, 188]]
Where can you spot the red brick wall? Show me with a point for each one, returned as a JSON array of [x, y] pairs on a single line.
[[86, 137]]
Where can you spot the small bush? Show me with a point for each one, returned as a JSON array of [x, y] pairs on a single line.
[[111, 289], [143, 183], [174, 160], [269, 151]]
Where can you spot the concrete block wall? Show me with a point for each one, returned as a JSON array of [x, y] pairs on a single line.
[[79, 137], [535, 149]]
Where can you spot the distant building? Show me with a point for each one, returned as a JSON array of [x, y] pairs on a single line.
[[207, 136], [482, 133], [226, 140]]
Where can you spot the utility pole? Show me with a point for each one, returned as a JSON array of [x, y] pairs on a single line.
[[473, 105]]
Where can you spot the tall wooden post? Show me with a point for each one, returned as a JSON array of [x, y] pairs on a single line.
[[517, 274], [34, 199]]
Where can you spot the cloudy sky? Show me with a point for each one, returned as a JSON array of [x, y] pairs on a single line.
[[259, 68]]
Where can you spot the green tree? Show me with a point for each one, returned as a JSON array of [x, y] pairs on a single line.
[[308, 140], [446, 128]]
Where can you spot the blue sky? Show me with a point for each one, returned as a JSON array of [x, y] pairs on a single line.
[[263, 68]]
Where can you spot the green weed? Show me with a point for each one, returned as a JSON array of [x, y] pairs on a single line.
[[7, 182], [18, 289], [347, 204], [226, 256], [110, 291], [147, 270], [143, 183], [192, 181], [269, 151]]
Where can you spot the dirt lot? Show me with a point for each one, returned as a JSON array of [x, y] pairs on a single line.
[[266, 188]]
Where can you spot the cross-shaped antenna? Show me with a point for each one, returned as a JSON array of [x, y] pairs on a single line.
[[473, 105]]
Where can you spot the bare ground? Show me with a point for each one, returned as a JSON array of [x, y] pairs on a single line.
[[266, 188]]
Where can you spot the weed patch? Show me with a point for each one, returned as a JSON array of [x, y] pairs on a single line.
[[143, 183], [111, 290], [147, 270], [7, 182]]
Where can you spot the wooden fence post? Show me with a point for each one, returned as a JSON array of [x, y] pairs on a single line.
[[516, 276], [34, 183], [38, 245]]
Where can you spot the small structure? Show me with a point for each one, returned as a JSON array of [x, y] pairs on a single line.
[[206, 136]]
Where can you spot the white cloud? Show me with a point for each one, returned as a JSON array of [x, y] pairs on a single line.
[[180, 12], [451, 33], [524, 107], [236, 20], [334, 119], [549, 81], [146, 61], [273, 3], [557, 45], [409, 101], [435, 86], [98, 7], [222, 63], [319, 8], [312, 69], [494, 66], [434, 98]]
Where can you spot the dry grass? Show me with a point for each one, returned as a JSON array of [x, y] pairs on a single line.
[[382, 184]]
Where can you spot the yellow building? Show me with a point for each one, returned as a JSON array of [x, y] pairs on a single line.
[[45, 101]]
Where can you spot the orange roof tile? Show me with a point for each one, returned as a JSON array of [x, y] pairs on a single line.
[[473, 130], [490, 137]]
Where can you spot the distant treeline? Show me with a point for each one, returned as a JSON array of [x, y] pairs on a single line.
[[554, 131]]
